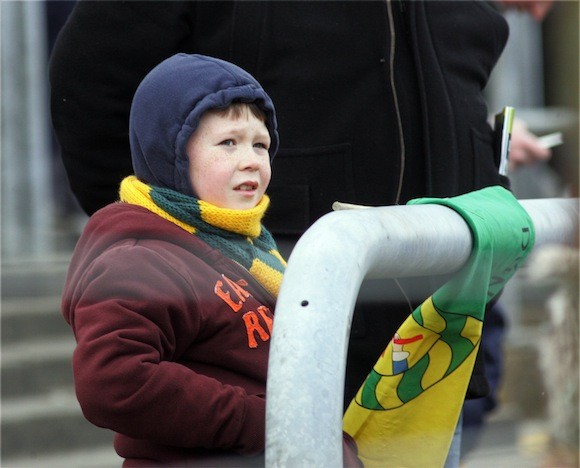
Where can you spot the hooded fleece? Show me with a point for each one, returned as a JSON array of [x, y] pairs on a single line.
[[172, 341], [169, 104]]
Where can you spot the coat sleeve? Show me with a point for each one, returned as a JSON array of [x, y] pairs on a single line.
[[131, 324], [101, 55]]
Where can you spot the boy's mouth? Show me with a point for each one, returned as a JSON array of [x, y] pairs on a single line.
[[247, 186]]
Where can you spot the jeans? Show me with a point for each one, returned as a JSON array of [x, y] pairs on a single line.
[[455, 450]]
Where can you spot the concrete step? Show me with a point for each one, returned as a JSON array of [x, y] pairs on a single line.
[[98, 457], [41, 426], [28, 318], [26, 278], [37, 367]]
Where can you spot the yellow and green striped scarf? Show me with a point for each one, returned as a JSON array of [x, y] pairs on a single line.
[[238, 234]]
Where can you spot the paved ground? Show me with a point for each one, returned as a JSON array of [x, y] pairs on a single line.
[[510, 444]]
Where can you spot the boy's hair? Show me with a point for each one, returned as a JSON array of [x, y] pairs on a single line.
[[238, 108]]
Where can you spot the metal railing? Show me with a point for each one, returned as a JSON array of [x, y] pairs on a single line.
[[316, 303]]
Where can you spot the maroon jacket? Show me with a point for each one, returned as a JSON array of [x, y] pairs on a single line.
[[173, 340]]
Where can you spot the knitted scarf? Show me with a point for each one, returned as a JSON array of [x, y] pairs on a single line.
[[238, 234]]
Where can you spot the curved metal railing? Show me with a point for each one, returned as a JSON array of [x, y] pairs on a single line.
[[317, 299]]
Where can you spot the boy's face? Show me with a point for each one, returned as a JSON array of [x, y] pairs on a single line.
[[229, 163]]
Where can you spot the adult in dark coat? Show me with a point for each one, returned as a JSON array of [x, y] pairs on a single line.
[[378, 102]]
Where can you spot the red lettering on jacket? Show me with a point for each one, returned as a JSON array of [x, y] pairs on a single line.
[[235, 288], [262, 311], [254, 327]]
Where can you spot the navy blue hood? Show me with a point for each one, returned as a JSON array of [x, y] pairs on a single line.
[[168, 105]]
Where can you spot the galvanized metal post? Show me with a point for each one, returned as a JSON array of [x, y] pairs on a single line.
[[316, 303]]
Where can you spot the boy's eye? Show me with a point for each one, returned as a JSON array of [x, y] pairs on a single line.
[[261, 145], [227, 143]]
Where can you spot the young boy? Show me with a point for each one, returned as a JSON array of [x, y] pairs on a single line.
[[171, 291]]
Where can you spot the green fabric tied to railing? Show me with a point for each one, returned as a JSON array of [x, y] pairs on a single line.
[[406, 411]]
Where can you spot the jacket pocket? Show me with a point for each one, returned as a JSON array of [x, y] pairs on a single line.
[[305, 183], [486, 161]]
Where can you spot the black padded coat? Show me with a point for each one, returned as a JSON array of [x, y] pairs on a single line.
[[377, 101]]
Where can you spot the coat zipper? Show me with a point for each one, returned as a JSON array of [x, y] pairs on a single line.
[[392, 50], [395, 96]]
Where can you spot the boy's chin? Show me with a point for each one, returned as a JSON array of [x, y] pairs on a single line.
[[244, 204]]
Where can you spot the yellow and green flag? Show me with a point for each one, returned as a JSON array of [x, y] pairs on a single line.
[[405, 413]]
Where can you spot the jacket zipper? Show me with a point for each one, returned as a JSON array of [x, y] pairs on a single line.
[[402, 153], [392, 47]]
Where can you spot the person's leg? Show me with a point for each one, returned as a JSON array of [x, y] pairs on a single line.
[[476, 410], [454, 454]]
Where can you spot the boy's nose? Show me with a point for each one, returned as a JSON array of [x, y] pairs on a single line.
[[249, 160]]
